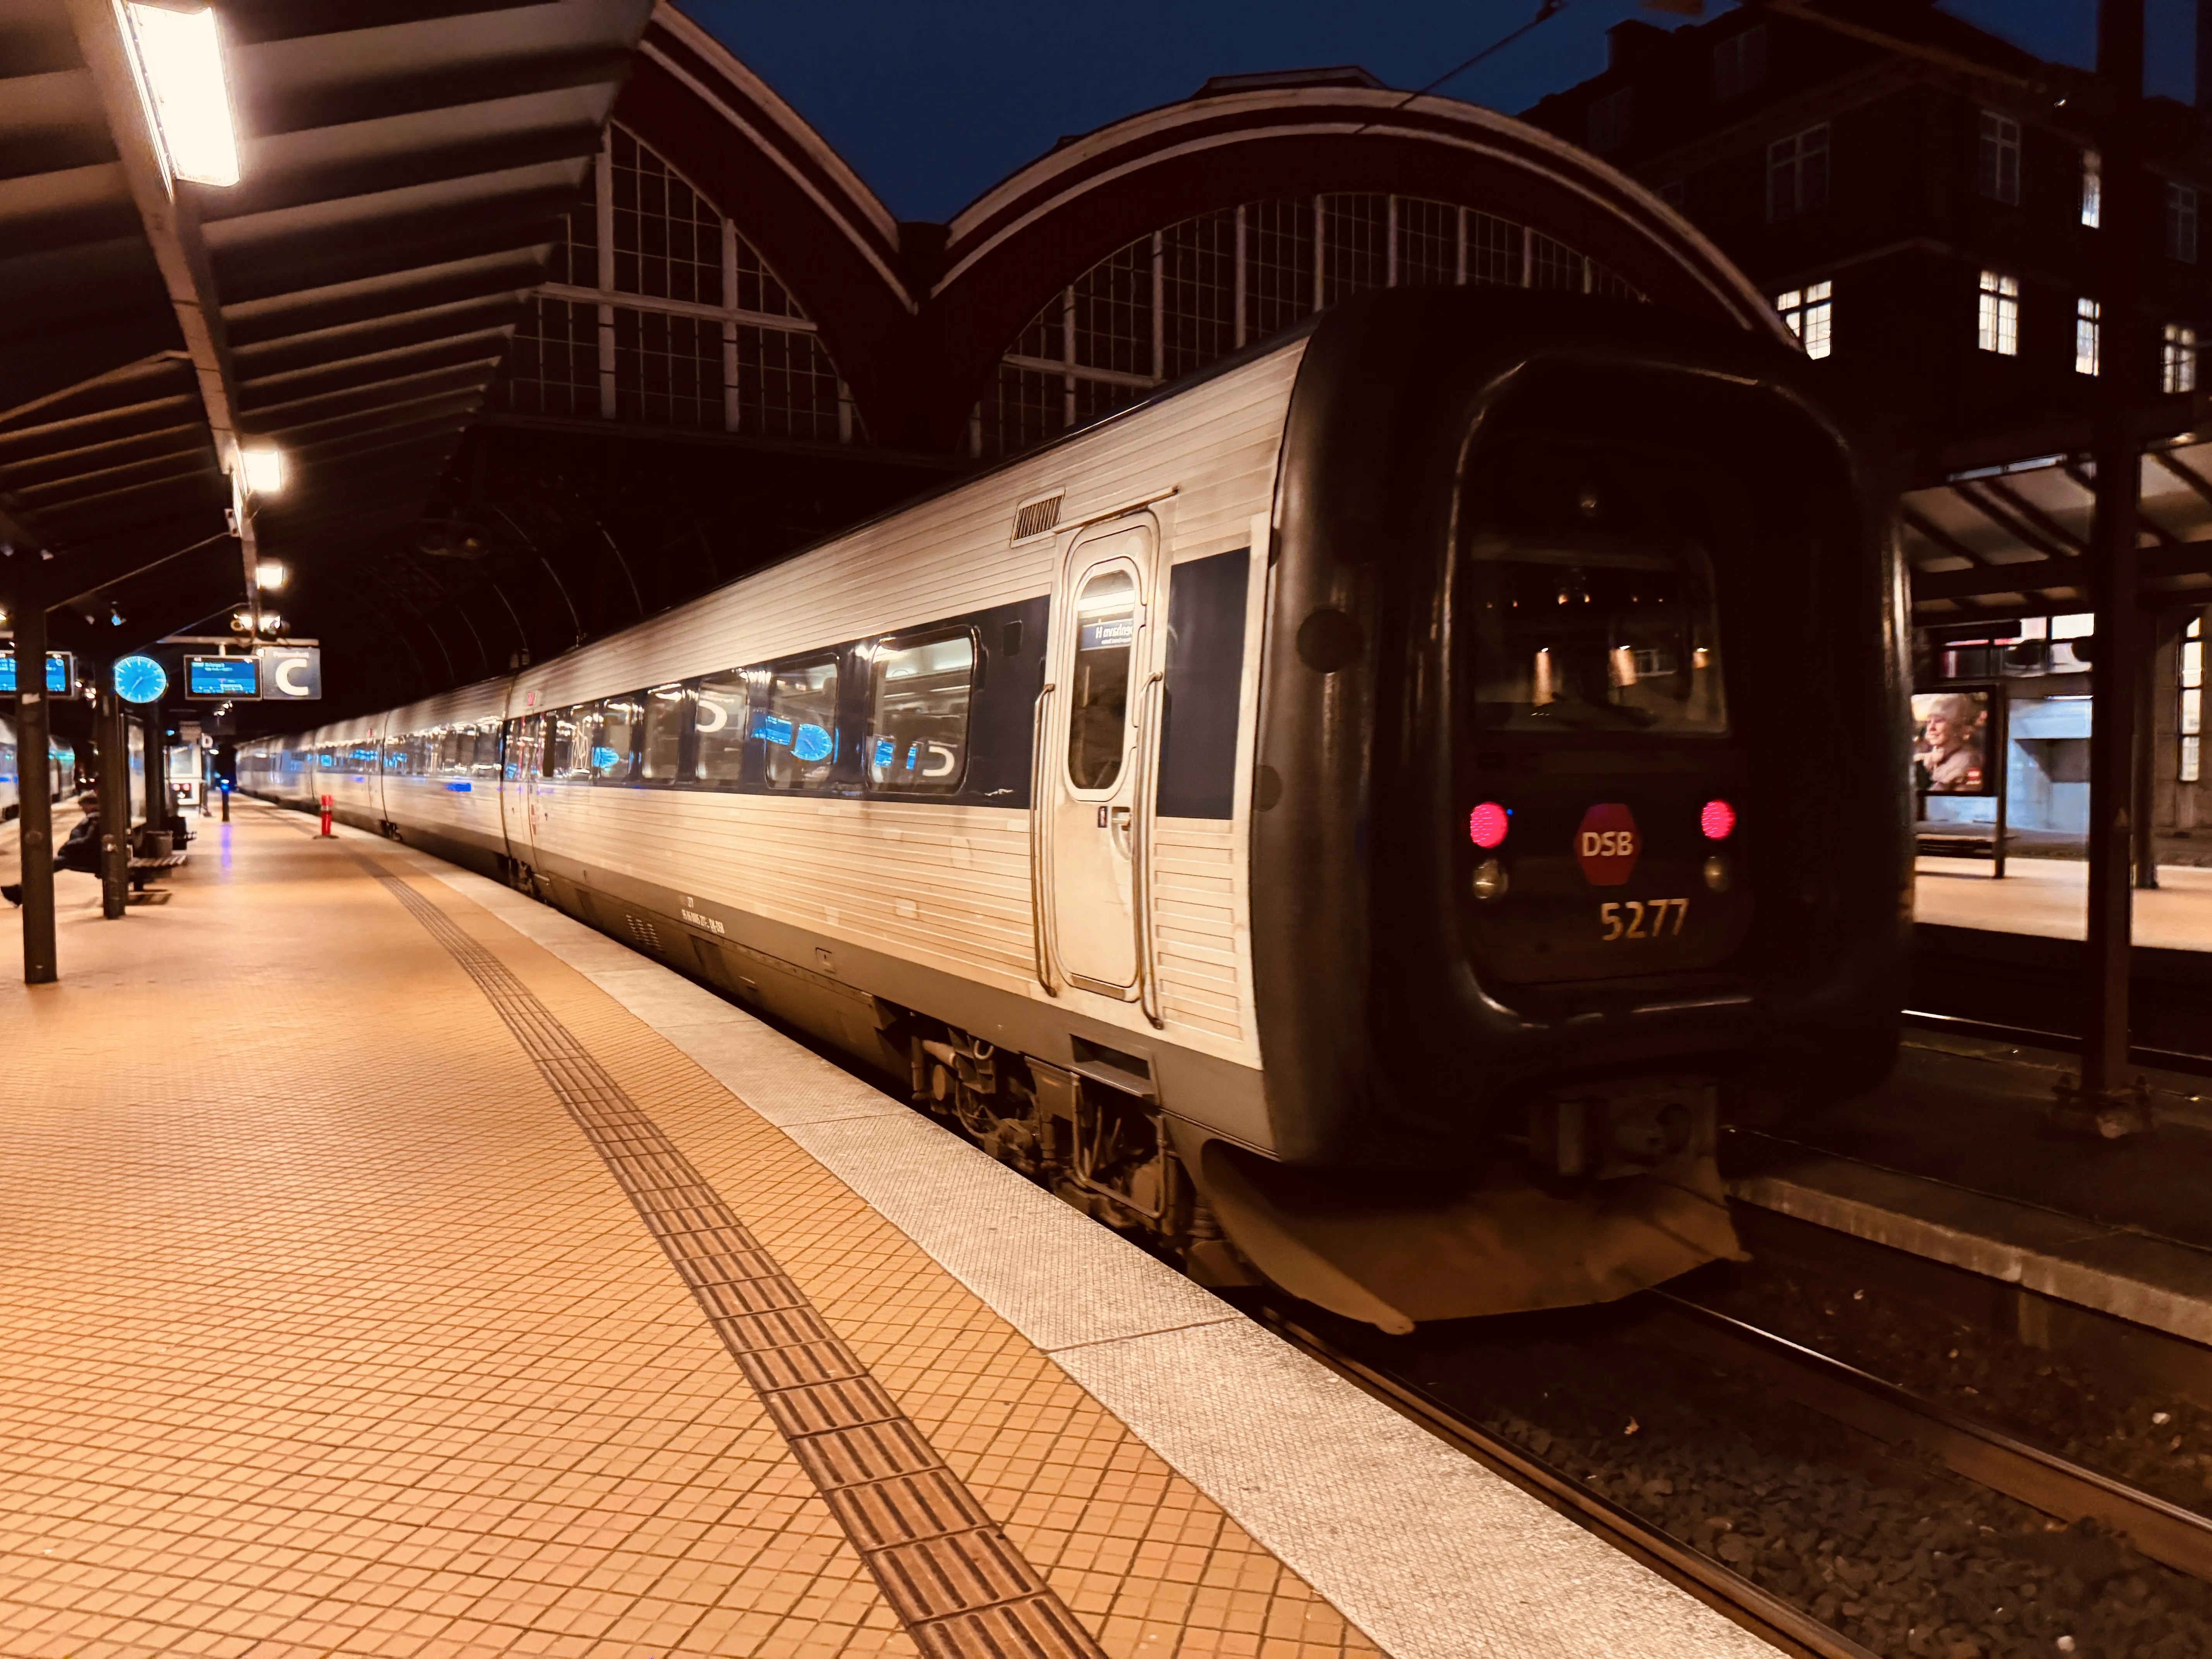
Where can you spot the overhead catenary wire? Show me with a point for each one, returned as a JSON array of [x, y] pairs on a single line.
[[1545, 10]]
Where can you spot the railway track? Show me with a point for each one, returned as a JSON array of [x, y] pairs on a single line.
[[2027, 988], [2064, 1491], [2165, 1060]]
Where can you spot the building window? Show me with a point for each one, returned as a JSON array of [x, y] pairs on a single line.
[[1797, 174], [1998, 172], [1608, 120], [1168, 303], [2177, 368], [1998, 329], [1740, 62], [659, 312], [2181, 223], [1809, 312], [2085, 336], [2093, 189], [2193, 700]]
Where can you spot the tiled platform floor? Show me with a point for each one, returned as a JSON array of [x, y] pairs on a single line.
[[323, 1330]]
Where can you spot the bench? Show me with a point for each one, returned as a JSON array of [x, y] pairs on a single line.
[[142, 869], [1969, 842], [153, 851]]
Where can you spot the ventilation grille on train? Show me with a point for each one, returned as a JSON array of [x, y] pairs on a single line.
[[644, 933], [1035, 518]]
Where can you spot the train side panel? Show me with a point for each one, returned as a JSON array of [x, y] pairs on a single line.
[[928, 905], [439, 776]]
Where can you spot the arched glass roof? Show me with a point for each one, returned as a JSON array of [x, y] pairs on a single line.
[[1169, 303], [658, 311]]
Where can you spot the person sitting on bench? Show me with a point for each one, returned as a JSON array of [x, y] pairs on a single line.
[[80, 852]]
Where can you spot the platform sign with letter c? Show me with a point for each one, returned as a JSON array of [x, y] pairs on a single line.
[[291, 673]]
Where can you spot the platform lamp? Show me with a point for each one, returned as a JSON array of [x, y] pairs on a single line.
[[257, 474]]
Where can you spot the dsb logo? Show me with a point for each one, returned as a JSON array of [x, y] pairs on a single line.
[[1607, 844]]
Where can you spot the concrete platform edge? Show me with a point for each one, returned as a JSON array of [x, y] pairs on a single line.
[[1429, 1553], [2128, 1275]]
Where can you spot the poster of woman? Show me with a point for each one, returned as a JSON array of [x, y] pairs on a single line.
[[1951, 743]]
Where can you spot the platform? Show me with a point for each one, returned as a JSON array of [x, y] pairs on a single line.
[[398, 1267], [1952, 1161], [2048, 896]]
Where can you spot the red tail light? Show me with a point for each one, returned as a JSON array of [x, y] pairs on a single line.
[[1718, 820], [1487, 824]]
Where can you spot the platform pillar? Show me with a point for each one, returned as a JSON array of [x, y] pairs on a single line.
[[2149, 643], [34, 821], [157, 766], [114, 738], [2106, 1102]]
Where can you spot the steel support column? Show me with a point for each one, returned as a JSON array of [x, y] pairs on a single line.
[[2106, 1102], [2144, 810], [114, 736], [34, 823]]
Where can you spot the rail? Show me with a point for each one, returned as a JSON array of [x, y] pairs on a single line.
[[2164, 1060], [2163, 1531], [1763, 1614], [2042, 1479]]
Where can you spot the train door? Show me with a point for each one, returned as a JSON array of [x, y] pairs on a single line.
[[1092, 789], [518, 792]]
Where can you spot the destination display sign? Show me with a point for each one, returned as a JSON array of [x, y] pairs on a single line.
[[223, 677], [61, 672]]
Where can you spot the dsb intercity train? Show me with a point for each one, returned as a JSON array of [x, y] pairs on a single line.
[[1363, 819]]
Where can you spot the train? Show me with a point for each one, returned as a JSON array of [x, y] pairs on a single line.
[[61, 771], [1362, 820]]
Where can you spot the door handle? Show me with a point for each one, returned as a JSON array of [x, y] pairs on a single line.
[[1117, 824]]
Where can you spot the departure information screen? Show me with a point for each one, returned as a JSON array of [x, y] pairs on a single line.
[[61, 672], [221, 677]]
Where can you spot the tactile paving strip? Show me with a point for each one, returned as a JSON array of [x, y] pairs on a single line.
[[960, 1587]]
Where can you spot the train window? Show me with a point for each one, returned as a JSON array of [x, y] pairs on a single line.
[[1588, 641], [518, 734], [796, 723], [719, 720], [568, 744], [1098, 691], [660, 751], [1592, 594], [614, 738], [919, 690]]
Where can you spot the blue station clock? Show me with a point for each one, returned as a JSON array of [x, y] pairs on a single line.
[[140, 680]]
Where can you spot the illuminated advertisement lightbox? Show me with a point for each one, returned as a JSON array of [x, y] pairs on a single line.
[[1955, 741]]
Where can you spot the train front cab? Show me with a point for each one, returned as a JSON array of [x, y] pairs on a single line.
[[1584, 826]]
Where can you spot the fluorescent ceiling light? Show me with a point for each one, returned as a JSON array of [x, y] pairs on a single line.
[[265, 471], [177, 56]]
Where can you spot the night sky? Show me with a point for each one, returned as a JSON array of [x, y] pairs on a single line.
[[933, 103]]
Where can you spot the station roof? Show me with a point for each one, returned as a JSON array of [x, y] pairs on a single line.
[[2015, 540], [403, 167]]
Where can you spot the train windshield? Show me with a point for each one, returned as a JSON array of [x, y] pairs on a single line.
[[1592, 600]]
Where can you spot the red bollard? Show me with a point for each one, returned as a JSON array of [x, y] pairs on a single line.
[[326, 815]]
